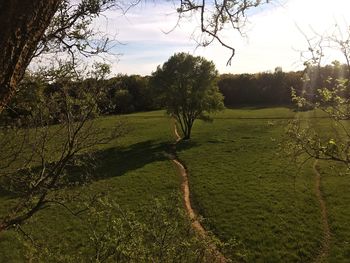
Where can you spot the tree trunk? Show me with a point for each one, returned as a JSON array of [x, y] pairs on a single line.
[[22, 25], [187, 133], [189, 126]]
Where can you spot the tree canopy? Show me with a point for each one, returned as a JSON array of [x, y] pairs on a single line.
[[187, 88]]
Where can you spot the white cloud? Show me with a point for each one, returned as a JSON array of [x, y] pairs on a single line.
[[273, 36]]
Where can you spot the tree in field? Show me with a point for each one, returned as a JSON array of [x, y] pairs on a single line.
[[30, 28], [186, 86]]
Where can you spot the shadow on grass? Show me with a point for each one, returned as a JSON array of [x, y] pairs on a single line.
[[185, 145], [111, 162], [118, 161]]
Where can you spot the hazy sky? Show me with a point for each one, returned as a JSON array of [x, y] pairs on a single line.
[[273, 35]]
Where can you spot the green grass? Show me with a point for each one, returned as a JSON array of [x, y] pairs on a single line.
[[240, 181], [335, 187], [247, 191], [133, 171]]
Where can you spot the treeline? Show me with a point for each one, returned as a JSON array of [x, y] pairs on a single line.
[[124, 94], [127, 94], [266, 89], [259, 89], [117, 95]]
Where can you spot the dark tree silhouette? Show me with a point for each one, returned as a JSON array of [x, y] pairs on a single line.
[[23, 23]]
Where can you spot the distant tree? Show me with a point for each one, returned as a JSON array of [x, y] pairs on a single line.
[[187, 88], [131, 93], [123, 101], [259, 89], [125, 94]]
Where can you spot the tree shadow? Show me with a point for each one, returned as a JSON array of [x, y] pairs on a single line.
[[118, 161], [184, 145], [107, 163]]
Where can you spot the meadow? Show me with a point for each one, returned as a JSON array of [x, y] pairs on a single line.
[[133, 172], [247, 189], [241, 183]]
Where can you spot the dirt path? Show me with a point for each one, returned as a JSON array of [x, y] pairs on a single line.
[[325, 246], [197, 226]]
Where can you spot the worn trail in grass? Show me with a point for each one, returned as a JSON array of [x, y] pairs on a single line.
[[324, 250], [196, 224], [334, 186], [248, 192], [186, 190]]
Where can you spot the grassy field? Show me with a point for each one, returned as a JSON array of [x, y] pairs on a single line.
[[335, 185], [133, 172], [241, 183], [246, 189]]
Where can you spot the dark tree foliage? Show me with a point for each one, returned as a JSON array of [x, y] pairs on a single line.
[[259, 89], [276, 88], [126, 94], [118, 95]]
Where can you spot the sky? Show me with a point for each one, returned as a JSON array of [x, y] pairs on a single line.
[[273, 37]]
